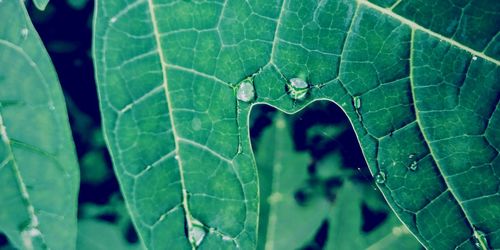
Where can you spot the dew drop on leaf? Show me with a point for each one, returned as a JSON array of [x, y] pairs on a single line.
[[380, 178], [480, 240], [357, 102], [298, 88], [413, 166], [197, 234], [24, 32], [246, 92]]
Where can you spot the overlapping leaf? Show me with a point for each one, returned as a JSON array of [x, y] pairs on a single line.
[[38, 170], [418, 80]]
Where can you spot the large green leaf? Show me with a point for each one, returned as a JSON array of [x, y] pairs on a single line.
[[419, 81], [38, 169]]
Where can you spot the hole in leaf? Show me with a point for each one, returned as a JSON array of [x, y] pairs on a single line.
[[313, 136]]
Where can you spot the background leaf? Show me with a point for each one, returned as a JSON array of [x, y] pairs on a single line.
[[282, 172], [306, 200], [420, 91], [38, 170]]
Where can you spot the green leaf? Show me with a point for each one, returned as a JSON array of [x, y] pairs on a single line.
[[419, 87], [283, 172], [345, 225], [77, 4], [38, 169], [97, 235], [41, 4]]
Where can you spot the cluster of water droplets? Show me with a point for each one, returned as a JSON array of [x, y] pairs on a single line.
[[413, 165], [380, 177]]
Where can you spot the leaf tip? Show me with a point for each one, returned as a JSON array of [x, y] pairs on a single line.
[[41, 4]]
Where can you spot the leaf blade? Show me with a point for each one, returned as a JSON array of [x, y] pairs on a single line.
[[353, 53], [39, 169]]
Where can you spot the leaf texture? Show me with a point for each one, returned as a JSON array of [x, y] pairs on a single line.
[[419, 81], [39, 175]]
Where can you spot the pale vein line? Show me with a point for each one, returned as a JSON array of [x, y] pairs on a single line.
[[33, 228], [198, 73], [395, 4], [426, 139], [203, 147], [416, 26], [172, 122], [275, 183], [140, 99], [276, 31]]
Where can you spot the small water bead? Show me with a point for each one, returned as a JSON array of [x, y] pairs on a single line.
[[246, 91], [380, 178], [197, 234], [480, 240], [413, 166], [474, 58], [24, 32], [298, 88], [357, 102]]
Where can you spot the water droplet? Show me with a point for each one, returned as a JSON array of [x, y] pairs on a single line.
[[197, 234], [24, 32], [298, 88], [413, 166], [480, 240], [380, 178], [196, 124], [411, 156], [113, 20], [52, 107], [176, 157], [474, 58], [246, 92], [226, 238], [357, 102]]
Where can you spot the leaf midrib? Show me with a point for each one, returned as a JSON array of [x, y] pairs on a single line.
[[415, 26], [163, 62], [5, 139]]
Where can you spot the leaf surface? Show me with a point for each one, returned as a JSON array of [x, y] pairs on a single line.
[[421, 89], [39, 175]]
